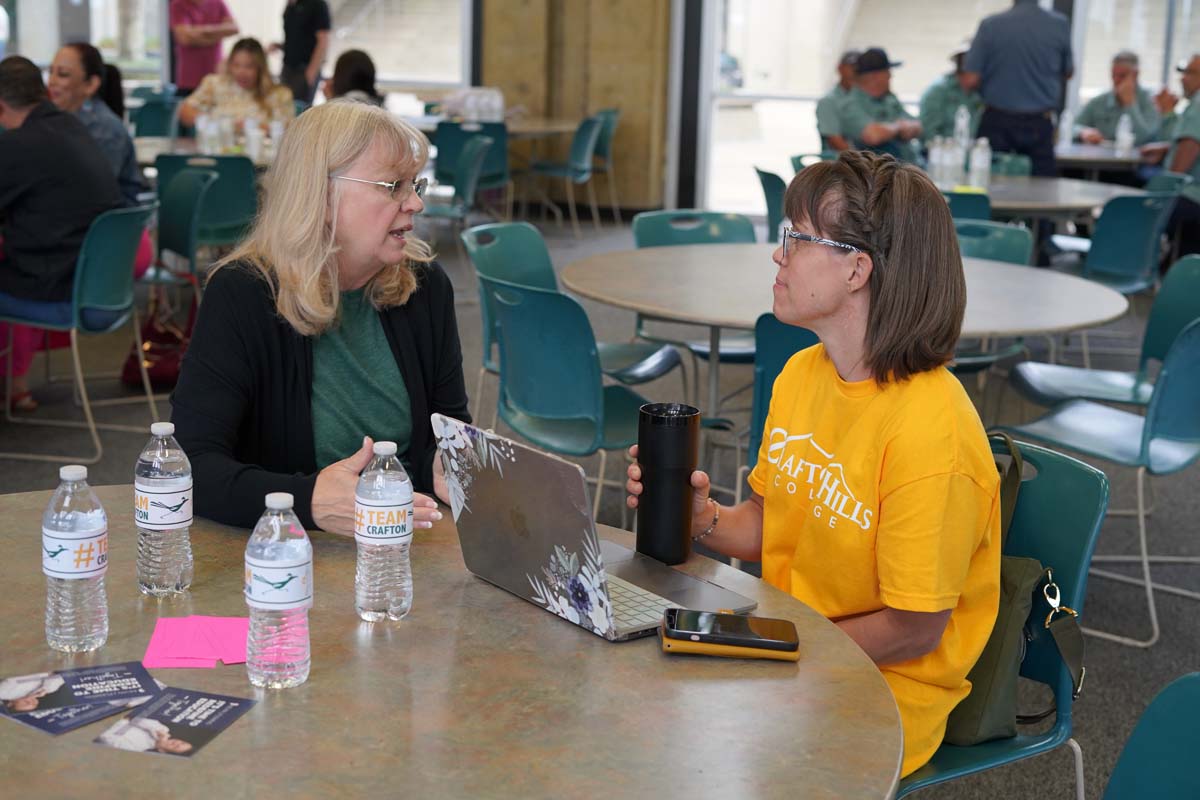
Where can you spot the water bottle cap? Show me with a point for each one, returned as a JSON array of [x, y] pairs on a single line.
[[163, 429], [72, 472], [385, 448], [280, 501]]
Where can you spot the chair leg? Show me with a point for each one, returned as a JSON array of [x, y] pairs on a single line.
[[683, 381], [571, 206], [87, 406], [591, 187], [1078, 759], [137, 337], [1087, 357], [612, 193]]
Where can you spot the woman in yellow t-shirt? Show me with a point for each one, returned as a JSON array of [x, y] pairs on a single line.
[[243, 90], [875, 496]]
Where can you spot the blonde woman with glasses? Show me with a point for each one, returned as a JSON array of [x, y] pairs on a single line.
[[329, 327], [875, 499]]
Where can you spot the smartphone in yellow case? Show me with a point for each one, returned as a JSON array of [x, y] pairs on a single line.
[[729, 635]]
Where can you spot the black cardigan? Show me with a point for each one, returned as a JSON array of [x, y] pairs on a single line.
[[243, 405]]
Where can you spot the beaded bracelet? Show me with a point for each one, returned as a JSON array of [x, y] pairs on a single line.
[[713, 526]]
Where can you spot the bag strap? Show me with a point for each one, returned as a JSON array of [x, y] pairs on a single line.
[[1010, 483], [1063, 624]]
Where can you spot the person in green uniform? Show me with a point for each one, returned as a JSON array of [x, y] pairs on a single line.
[[1097, 122], [829, 114], [941, 101], [872, 117], [1184, 157]]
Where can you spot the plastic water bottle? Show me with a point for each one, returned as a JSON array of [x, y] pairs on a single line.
[[162, 510], [1124, 135], [1066, 128], [383, 528], [954, 158], [74, 560], [279, 591], [962, 129], [981, 163], [933, 159]]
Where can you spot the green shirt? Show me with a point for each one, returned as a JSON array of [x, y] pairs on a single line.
[[940, 103], [1187, 126], [859, 110], [829, 115], [1103, 112], [357, 387]]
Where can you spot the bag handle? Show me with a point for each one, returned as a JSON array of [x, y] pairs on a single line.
[[1010, 483]]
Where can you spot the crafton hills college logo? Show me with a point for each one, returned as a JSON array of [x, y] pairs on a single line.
[[823, 478]]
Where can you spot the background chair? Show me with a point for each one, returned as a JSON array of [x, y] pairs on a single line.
[[166, 91], [577, 169], [180, 204], [609, 117], [550, 381], [229, 204], [773, 189], [1158, 759], [802, 160], [466, 184], [157, 116], [1123, 251], [1164, 441], [1067, 497], [102, 301], [1012, 164], [515, 252], [969, 205], [451, 137]]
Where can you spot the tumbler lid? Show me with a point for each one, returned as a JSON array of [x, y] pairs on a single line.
[[674, 415]]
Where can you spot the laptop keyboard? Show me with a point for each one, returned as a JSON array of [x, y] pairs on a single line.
[[633, 606]]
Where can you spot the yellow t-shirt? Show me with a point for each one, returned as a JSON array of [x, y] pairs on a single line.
[[885, 496]]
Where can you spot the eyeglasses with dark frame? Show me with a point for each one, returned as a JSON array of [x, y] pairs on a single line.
[[791, 233], [399, 190]]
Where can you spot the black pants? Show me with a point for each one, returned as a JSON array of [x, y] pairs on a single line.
[[294, 79], [1030, 135]]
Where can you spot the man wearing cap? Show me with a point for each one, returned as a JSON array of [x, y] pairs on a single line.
[[872, 117], [941, 101], [829, 114], [1019, 60], [1098, 119], [1184, 157]]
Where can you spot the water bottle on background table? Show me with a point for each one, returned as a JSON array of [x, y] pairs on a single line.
[[74, 561], [383, 528], [279, 592]]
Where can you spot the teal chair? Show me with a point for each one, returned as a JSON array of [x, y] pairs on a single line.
[[551, 390], [690, 226], [180, 205], [299, 107], [1158, 761], [1176, 304], [997, 241], [773, 189], [577, 169], [775, 343], [156, 117], [466, 184], [1069, 498], [1164, 441], [1173, 182], [451, 137], [1124, 249], [517, 253], [1012, 164], [101, 302], [165, 92], [969, 205], [229, 204], [802, 160], [609, 117]]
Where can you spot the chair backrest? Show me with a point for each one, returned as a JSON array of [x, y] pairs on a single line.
[[233, 198], [773, 189], [802, 160], [1125, 241], [167, 91], [1171, 414], [1168, 182], [468, 169], [690, 226], [180, 204], [1156, 762], [1015, 164], [1176, 305], [549, 366], [583, 148], [998, 241], [158, 116], [1056, 521], [969, 205], [609, 117], [452, 137], [299, 107], [104, 268], [774, 343]]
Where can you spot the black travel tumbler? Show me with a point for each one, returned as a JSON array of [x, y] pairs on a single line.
[[668, 441]]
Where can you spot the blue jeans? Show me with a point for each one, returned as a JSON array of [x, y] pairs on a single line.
[[55, 313]]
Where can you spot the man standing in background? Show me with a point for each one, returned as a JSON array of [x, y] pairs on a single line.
[[829, 114], [198, 26], [306, 25]]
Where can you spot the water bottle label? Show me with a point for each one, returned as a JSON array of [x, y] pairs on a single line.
[[74, 555], [279, 586], [162, 508], [382, 523]]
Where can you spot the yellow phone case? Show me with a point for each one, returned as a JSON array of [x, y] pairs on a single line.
[[670, 645]]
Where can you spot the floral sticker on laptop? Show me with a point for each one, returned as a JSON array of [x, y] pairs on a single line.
[[462, 447], [578, 593]]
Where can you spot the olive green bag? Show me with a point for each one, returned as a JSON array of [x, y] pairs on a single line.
[[990, 710]]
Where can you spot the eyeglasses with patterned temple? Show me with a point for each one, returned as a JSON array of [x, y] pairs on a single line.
[[399, 190], [792, 233]]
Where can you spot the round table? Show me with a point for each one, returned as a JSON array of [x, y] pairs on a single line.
[[476, 694], [1096, 157], [1053, 198], [518, 127], [148, 148], [729, 286]]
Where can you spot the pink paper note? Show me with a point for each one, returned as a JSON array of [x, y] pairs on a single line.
[[228, 637], [165, 662]]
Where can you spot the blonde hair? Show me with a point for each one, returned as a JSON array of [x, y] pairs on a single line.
[[292, 242]]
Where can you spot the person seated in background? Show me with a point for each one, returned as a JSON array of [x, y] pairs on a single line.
[[329, 322], [861, 508], [54, 180], [1098, 120], [872, 117], [1184, 157], [76, 85], [941, 101], [243, 90], [353, 79], [829, 113]]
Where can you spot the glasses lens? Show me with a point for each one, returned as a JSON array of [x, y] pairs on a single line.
[[419, 186]]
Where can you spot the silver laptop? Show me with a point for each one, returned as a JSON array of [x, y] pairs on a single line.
[[525, 525]]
